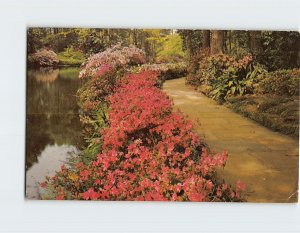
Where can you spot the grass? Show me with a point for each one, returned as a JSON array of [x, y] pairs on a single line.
[[69, 61]]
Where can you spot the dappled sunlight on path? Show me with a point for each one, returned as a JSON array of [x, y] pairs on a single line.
[[266, 161]]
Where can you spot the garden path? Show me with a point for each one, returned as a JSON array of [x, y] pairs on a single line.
[[266, 161]]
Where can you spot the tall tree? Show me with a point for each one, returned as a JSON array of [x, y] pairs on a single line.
[[217, 41], [229, 40], [255, 41], [206, 38]]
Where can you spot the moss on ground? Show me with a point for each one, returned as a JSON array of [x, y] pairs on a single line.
[[69, 61]]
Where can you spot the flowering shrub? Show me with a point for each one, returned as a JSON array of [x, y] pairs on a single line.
[[148, 153], [100, 74], [43, 57], [224, 74], [211, 67], [101, 71], [196, 74], [116, 57]]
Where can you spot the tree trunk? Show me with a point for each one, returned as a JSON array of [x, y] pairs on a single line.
[[229, 32], [225, 50], [134, 37], [217, 42], [206, 39], [255, 43], [189, 43]]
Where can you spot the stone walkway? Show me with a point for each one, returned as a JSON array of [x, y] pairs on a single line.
[[265, 160]]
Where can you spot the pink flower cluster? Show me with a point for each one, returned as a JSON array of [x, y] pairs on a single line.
[[44, 57], [116, 57]]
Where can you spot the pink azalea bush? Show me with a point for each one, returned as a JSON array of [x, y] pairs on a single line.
[[116, 57], [44, 57], [148, 153], [101, 71]]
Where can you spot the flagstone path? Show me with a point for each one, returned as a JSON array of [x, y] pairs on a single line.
[[265, 160]]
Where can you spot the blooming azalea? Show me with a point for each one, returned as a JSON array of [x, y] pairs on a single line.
[[90, 194], [148, 152]]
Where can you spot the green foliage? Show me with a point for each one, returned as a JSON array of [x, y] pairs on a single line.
[[192, 41], [71, 56], [171, 49], [229, 83], [92, 41], [274, 49], [59, 41], [154, 39], [279, 50], [34, 39], [92, 133], [281, 82], [235, 80]]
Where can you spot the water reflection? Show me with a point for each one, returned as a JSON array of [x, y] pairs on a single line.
[[52, 122], [48, 161], [45, 74]]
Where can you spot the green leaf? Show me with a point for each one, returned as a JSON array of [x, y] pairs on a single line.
[[233, 89]]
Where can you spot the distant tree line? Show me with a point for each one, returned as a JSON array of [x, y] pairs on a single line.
[[274, 49], [93, 40]]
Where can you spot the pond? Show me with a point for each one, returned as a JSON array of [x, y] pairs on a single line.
[[53, 129]]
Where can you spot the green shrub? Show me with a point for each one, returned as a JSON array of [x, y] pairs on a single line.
[[171, 50], [281, 82], [59, 41], [71, 56]]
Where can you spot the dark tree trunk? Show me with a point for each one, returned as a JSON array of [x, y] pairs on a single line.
[[229, 38], [135, 37], [217, 42], [255, 41], [224, 42], [189, 43], [206, 39]]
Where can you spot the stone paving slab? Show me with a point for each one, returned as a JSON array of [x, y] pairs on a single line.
[[266, 161]]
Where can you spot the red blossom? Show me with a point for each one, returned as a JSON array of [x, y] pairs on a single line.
[[240, 186], [90, 194]]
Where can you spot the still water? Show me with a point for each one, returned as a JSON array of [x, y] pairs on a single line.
[[53, 130]]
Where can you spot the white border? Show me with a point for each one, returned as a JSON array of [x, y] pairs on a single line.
[[18, 215]]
